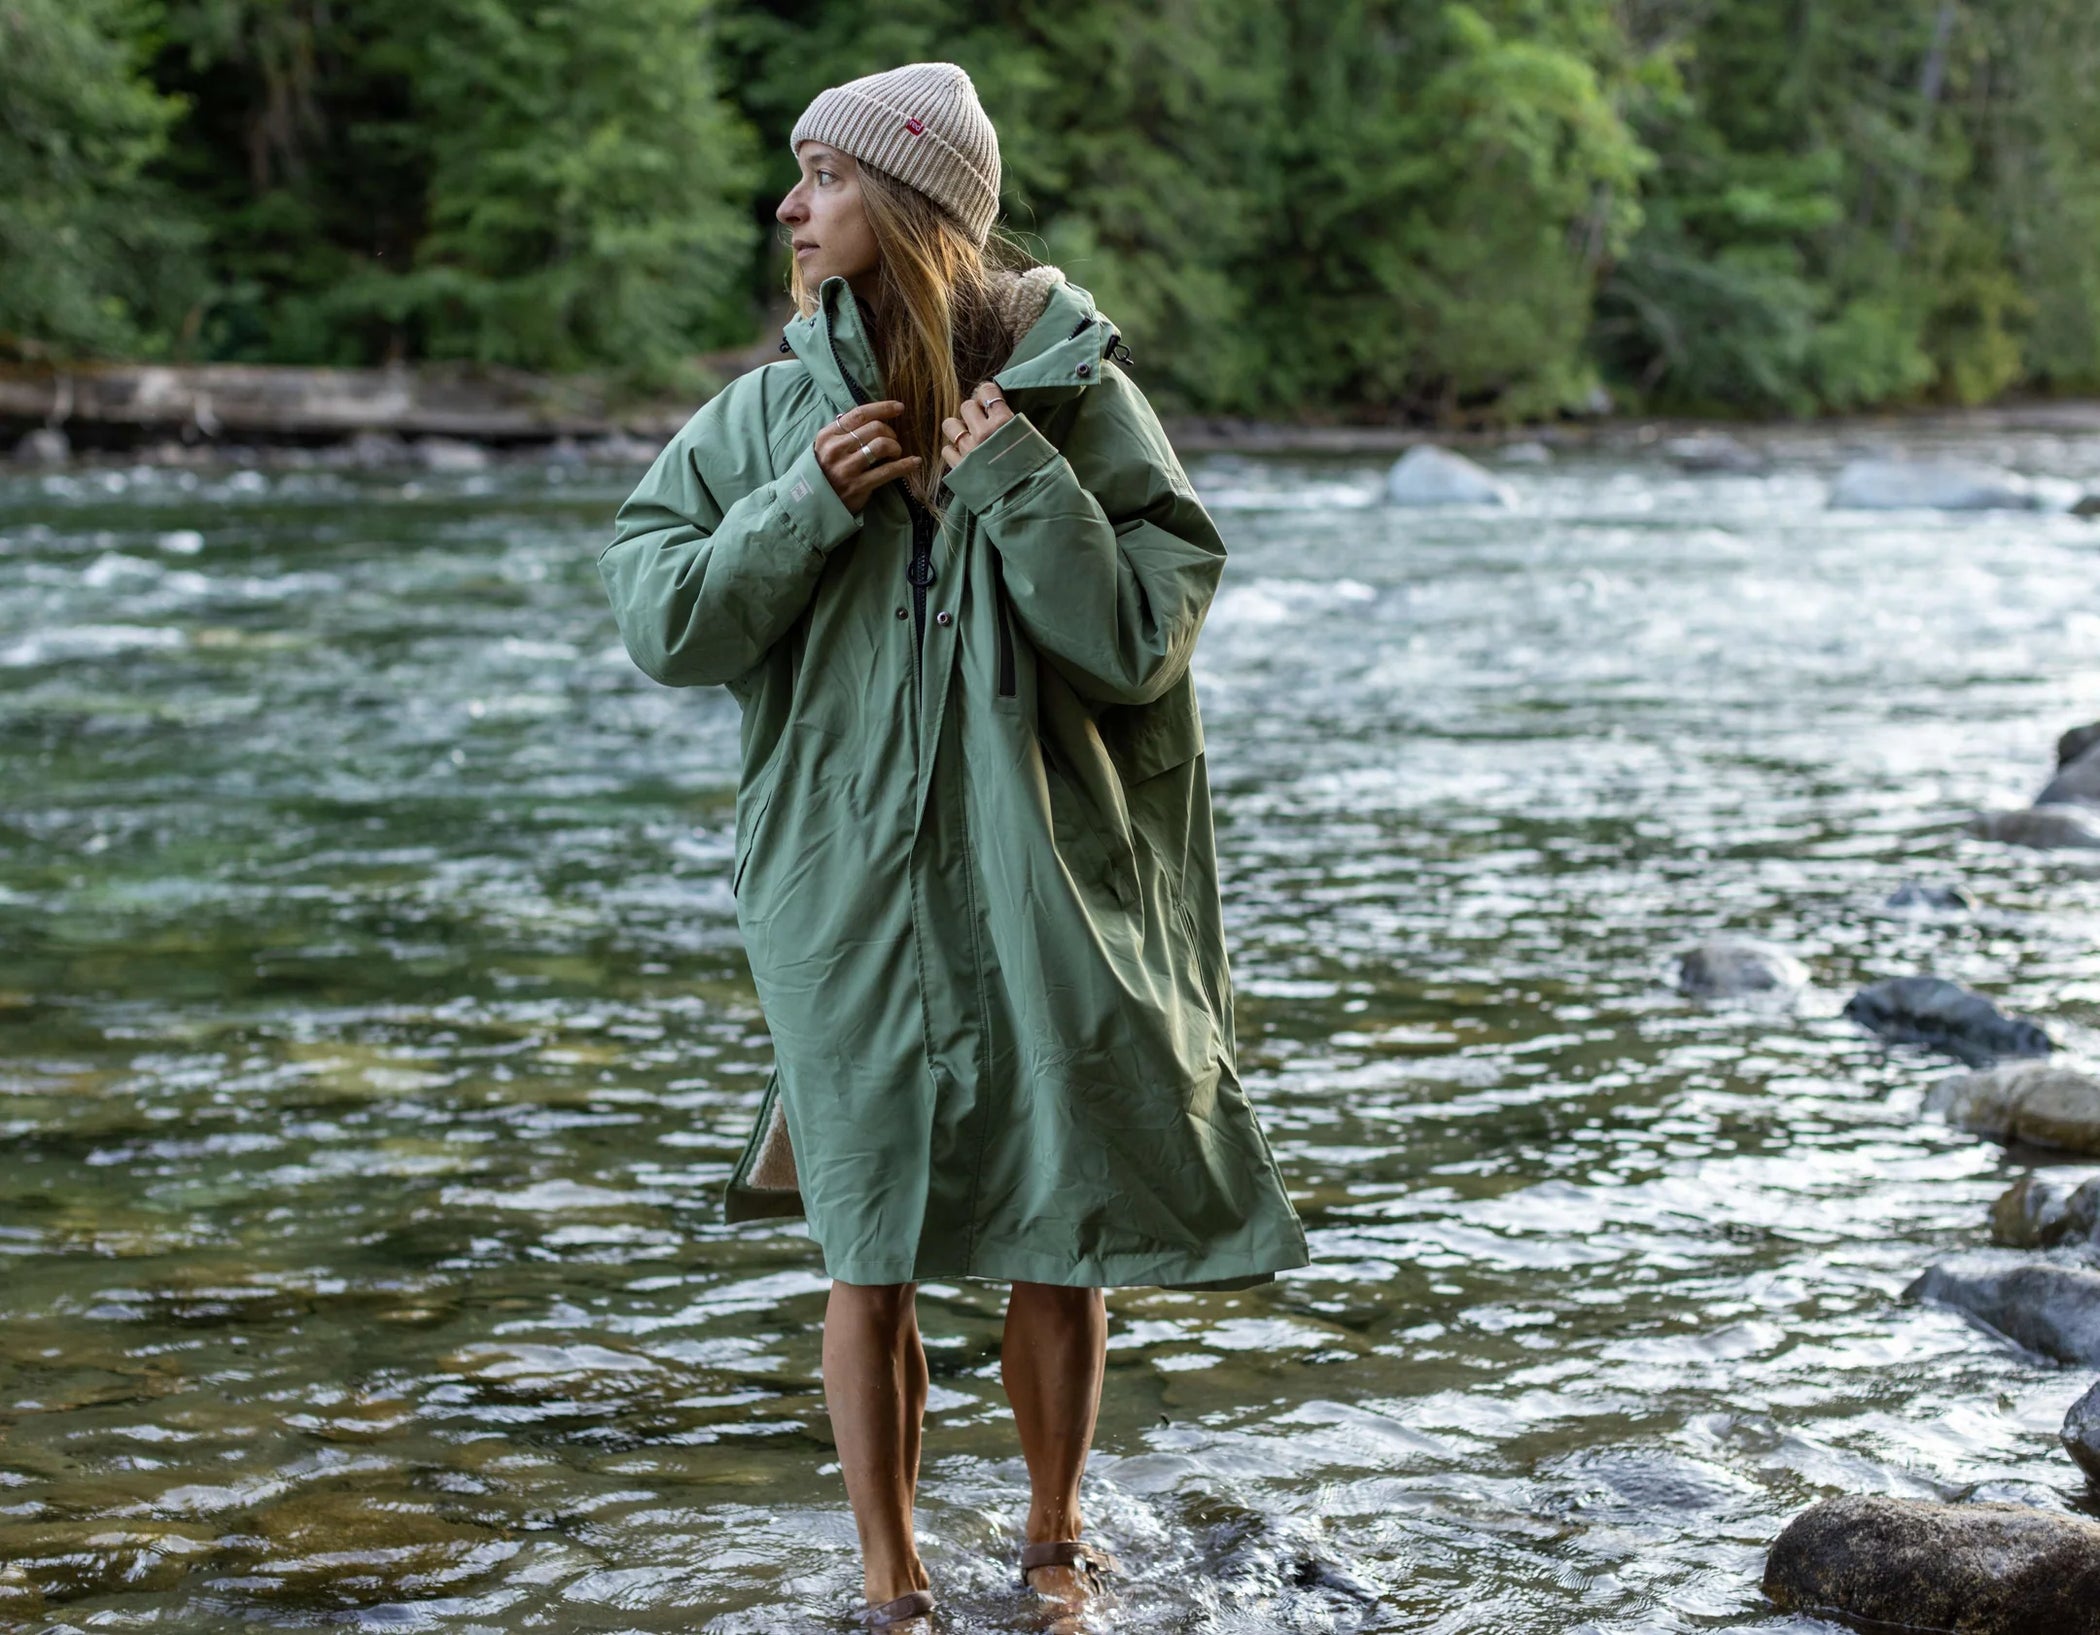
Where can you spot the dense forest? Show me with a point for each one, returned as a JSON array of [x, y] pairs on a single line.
[[1422, 209]]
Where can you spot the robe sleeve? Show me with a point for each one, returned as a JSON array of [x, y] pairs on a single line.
[[701, 588], [1109, 559]]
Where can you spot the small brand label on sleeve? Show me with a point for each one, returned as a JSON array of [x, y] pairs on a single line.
[[799, 492]]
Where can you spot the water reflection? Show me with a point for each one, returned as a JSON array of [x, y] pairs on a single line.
[[376, 1037]]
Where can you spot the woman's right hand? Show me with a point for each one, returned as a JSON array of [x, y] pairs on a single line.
[[859, 452]]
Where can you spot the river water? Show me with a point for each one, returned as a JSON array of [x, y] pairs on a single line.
[[376, 1037]]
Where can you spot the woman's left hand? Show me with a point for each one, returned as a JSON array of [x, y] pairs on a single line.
[[984, 411]]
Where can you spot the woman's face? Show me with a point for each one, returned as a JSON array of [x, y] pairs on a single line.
[[823, 212]]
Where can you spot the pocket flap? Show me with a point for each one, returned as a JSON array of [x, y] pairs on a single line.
[[1145, 740]]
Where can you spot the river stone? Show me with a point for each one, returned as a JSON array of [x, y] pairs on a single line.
[[1714, 451], [2041, 1210], [1530, 453], [2045, 1106], [2050, 1306], [449, 454], [1930, 485], [2086, 505], [2076, 742], [2050, 828], [1930, 897], [2075, 784], [46, 446], [1929, 1010], [2081, 1434], [1428, 475], [1957, 1569], [1724, 966]]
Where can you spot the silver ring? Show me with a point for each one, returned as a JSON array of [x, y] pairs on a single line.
[[859, 442], [870, 453], [988, 402]]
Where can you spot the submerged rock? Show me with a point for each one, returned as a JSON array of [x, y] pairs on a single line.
[[1931, 897], [2076, 742], [2041, 1105], [1714, 451], [46, 446], [2048, 1306], [1722, 967], [2086, 505], [449, 454], [1929, 1010], [1909, 1564], [2041, 1211], [2077, 783], [1428, 475], [1930, 485], [2048, 828], [1529, 453], [2081, 1434]]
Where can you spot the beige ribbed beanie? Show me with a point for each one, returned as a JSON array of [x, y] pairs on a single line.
[[924, 125]]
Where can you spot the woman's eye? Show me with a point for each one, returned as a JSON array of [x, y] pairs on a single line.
[[823, 175]]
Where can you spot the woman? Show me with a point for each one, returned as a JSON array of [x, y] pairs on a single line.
[[974, 867]]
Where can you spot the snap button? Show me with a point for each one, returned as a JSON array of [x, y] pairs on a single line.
[[944, 617], [1083, 369], [902, 614]]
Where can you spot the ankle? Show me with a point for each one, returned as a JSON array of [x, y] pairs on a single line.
[[1053, 1522], [891, 1579]]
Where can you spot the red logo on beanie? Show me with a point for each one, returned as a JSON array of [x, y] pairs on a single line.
[[915, 127]]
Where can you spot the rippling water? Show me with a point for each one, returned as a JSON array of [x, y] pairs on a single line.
[[374, 1036]]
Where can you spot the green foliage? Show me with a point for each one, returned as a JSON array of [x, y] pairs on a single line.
[[1436, 209], [92, 259]]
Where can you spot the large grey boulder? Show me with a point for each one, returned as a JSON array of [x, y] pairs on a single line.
[[1929, 1010], [2081, 1434], [1955, 1569], [1428, 475], [1728, 967], [2044, 1106], [2050, 1306], [1930, 485], [2077, 782], [2041, 1211], [2076, 742], [2047, 828]]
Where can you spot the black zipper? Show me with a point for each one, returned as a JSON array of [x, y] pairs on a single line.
[[920, 573], [1007, 683]]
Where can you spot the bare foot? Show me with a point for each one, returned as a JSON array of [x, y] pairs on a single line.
[[1071, 1597]]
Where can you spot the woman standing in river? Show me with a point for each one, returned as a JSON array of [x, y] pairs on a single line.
[[974, 868]]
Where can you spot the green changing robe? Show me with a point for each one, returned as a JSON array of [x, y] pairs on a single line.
[[974, 868]]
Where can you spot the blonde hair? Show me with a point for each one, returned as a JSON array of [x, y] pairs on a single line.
[[936, 324]]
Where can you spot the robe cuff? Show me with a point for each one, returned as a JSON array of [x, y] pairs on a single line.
[[995, 465], [815, 513]]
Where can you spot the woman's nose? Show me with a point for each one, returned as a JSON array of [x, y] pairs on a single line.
[[788, 210]]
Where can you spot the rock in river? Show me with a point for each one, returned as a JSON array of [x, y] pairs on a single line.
[[1722, 967], [2076, 742], [2051, 1305], [2077, 782], [1928, 1010], [1930, 897], [2050, 828], [1930, 485], [1714, 451], [2081, 1434], [2041, 1105], [2040, 1211], [1428, 475], [1959, 1569]]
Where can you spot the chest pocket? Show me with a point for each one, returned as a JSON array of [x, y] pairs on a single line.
[[1144, 740]]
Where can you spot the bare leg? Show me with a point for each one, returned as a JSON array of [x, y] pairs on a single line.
[[1055, 1354], [875, 1388]]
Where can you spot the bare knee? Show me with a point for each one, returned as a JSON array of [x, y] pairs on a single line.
[[1073, 1305], [882, 1305]]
